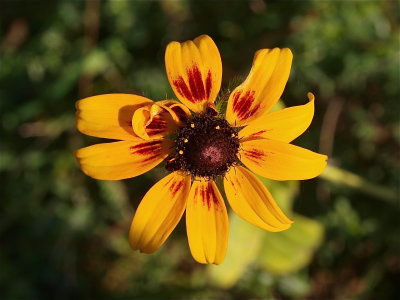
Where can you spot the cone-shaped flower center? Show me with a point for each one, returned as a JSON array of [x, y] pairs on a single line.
[[206, 146]]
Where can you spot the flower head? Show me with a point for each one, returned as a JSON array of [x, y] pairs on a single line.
[[199, 145]]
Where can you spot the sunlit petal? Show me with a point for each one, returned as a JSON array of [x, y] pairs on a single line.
[[159, 212], [207, 223], [123, 159], [281, 161], [179, 112], [108, 116], [262, 88], [283, 125], [251, 200], [194, 70]]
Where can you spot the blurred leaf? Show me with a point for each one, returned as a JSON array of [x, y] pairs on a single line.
[[96, 62], [294, 286], [244, 244], [288, 251]]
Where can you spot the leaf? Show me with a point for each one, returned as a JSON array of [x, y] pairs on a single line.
[[247, 240], [244, 245], [288, 251]]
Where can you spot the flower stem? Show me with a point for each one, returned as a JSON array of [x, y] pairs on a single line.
[[346, 178]]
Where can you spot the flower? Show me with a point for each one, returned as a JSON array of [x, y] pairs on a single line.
[[199, 146]]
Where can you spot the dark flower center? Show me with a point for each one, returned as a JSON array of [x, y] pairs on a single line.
[[206, 146]]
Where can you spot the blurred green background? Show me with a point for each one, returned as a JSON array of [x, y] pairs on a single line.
[[64, 235]]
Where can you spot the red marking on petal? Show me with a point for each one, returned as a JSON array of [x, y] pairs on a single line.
[[169, 180], [180, 113], [150, 158], [176, 186], [195, 90], [161, 129], [236, 183], [147, 148], [154, 132], [196, 193], [183, 89], [252, 111], [157, 123], [243, 104], [203, 195], [258, 132], [196, 83], [254, 153], [208, 84], [208, 196]]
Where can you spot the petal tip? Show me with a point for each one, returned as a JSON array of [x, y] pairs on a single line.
[[78, 104], [203, 37], [310, 96], [287, 51], [173, 44], [77, 154]]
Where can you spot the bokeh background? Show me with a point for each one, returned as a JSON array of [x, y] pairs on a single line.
[[64, 235]]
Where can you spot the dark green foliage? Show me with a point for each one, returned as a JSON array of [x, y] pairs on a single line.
[[64, 235]]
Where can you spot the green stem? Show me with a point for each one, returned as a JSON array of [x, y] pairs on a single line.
[[346, 178]]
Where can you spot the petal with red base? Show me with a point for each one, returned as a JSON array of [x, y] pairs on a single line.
[[281, 161], [262, 88], [123, 159], [108, 116], [207, 223], [159, 212], [159, 119], [179, 112], [283, 125], [194, 70], [251, 200]]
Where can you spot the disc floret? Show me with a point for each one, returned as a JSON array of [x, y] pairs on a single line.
[[206, 146]]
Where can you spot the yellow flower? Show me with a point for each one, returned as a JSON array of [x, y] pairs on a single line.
[[199, 146]]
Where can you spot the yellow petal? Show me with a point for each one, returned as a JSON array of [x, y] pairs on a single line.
[[123, 159], [251, 200], [281, 161], [180, 113], [194, 70], [283, 125], [207, 223], [108, 116], [159, 212], [153, 122], [262, 88], [159, 119]]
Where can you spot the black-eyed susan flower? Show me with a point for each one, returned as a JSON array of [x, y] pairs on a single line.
[[199, 145]]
